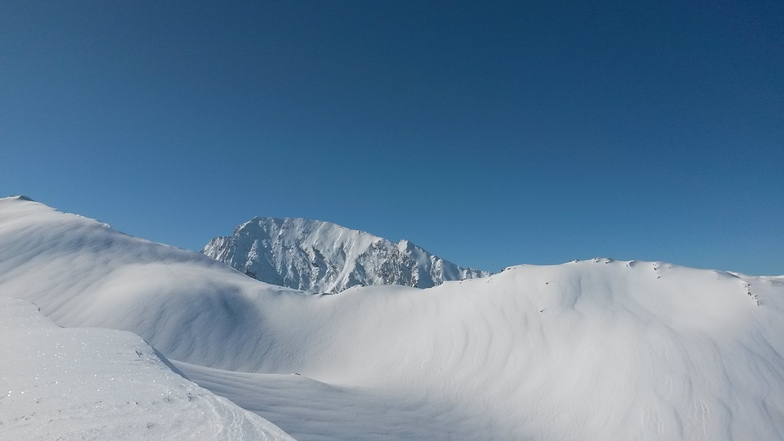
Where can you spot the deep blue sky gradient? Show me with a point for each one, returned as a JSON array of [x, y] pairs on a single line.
[[490, 133]]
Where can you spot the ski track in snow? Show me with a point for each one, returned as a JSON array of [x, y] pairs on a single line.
[[586, 350]]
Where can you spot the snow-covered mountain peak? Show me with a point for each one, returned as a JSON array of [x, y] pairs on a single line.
[[323, 257], [595, 349]]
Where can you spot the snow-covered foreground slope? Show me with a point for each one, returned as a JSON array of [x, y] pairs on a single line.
[[585, 350], [321, 257], [102, 384]]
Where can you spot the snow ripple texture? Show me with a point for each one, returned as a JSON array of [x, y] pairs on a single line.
[[321, 257], [588, 350]]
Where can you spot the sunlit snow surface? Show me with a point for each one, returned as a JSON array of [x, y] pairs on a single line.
[[102, 384], [595, 349]]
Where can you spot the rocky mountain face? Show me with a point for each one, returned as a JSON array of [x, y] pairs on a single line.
[[322, 257]]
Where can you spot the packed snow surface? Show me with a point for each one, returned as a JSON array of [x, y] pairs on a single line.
[[588, 350], [321, 257], [102, 384]]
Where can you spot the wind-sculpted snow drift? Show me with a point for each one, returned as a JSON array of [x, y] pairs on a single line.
[[588, 350], [321, 257]]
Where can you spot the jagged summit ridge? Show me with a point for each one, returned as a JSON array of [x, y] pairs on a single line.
[[322, 257]]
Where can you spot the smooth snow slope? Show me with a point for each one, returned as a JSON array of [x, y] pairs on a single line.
[[586, 350], [322, 257], [104, 385]]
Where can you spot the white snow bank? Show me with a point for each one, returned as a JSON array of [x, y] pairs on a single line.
[[101, 384], [80, 272], [597, 349]]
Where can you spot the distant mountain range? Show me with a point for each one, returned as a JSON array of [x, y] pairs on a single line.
[[322, 257]]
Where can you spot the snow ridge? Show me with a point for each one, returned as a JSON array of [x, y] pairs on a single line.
[[590, 350], [322, 257]]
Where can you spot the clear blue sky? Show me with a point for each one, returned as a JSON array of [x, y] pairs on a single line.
[[490, 133]]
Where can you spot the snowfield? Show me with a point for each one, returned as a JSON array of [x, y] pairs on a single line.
[[102, 384], [589, 350]]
